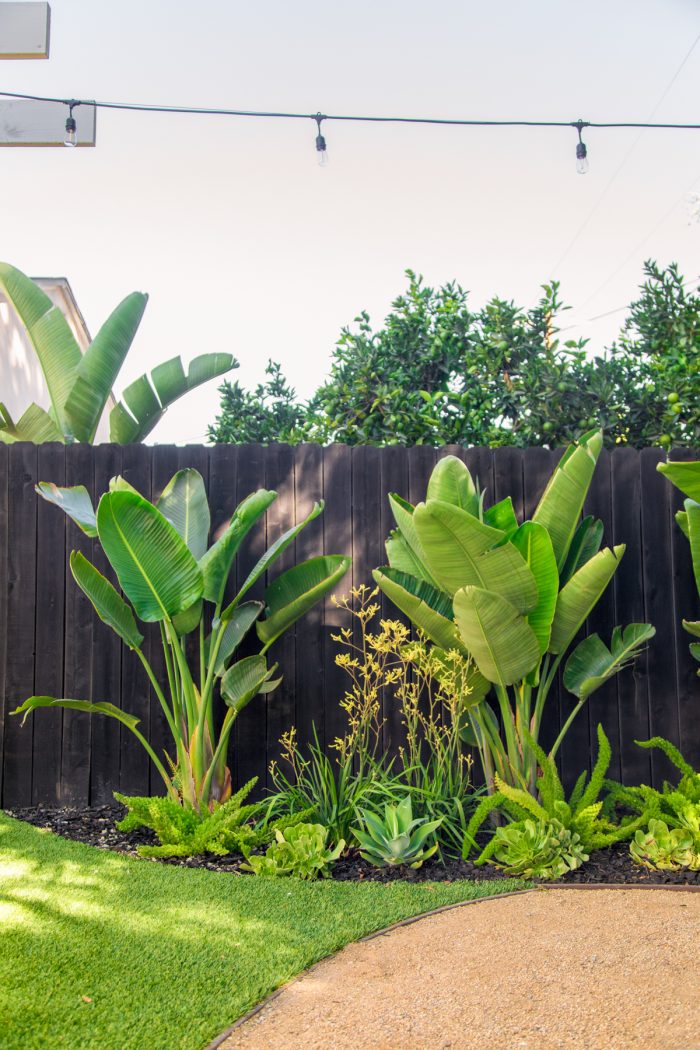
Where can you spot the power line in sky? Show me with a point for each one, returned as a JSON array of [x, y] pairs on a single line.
[[72, 104]]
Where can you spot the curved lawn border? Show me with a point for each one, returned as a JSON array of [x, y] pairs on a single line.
[[220, 1039]]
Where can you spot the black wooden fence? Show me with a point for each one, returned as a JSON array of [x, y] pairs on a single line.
[[53, 644]]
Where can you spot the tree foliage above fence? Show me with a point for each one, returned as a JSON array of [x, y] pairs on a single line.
[[438, 372]]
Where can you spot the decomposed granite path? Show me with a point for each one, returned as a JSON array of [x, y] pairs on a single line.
[[593, 969]]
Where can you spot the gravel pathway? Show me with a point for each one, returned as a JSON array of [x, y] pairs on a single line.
[[593, 969]]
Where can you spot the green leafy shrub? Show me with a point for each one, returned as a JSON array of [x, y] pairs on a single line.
[[400, 838], [168, 574], [582, 815], [300, 850], [510, 598], [665, 849], [184, 832], [538, 849]]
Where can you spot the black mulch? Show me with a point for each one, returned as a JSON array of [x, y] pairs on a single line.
[[95, 826]]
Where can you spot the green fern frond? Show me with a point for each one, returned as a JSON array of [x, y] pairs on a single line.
[[590, 795]]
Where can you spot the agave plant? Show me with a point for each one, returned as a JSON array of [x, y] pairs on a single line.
[[79, 384], [686, 477], [511, 597], [169, 576], [400, 838]]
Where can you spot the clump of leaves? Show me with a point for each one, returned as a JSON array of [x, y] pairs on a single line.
[[400, 838], [581, 815], [663, 848], [675, 808], [538, 849], [231, 827], [301, 851]]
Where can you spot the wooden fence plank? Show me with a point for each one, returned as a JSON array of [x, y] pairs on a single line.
[[135, 772], [338, 524], [50, 629], [250, 758], [660, 609], [80, 625], [21, 588], [309, 669], [393, 466]]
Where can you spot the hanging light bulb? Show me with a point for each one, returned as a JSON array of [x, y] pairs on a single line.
[[581, 151], [321, 150], [71, 138]]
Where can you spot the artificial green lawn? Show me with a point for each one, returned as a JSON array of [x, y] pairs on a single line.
[[98, 950]]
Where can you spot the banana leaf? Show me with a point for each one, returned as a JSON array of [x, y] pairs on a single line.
[[500, 640], [184, 503], [244, 680], [535, 546], [586, 542], [451, 482], [100, 366], [426, 607], [74, 501], [592, 663], [216, 564], [146, 400], [101, 708], [684, 475], [35, 424], [502, 516], [156, 570], [296, 591], [271, 554], [560, 508], [403, 558], [581, 594], [107, 603], [460, 552], [50, 335], [235, 631], [404, 517]]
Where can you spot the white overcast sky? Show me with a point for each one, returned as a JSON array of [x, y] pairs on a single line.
[[244, 244]]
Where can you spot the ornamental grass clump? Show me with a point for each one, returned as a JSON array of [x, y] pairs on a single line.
[[170, 575], [511, 597]]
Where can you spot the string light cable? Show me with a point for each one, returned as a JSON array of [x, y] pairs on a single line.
[[319, 118]]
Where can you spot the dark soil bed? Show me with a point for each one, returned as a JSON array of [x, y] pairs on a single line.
[[95, 826]]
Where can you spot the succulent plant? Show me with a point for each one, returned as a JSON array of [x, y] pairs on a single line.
[[665, 849], [400, 838], [300, 850], [538, 849]]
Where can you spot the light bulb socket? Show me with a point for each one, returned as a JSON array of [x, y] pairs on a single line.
[[71, 138], [581, 151], [320, 143]]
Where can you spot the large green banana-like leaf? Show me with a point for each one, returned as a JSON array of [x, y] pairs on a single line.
[[404, 559], [460, 552], [562, 501], [592, 663], [535, 545], [74, 501], [50, 335], [500, 640], [156, 569], [184, 503], [100, 366], [271, 554], [426, 607], [586, 542], [101, 708], [35, 424], [216, 564], [235, 631], [685, 476], [452, 483], [581, 594], [692, 513], [403, 516], [185, 622], [502, 516], [146, 400], [244, 680], [107, 603], [296, 591]]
